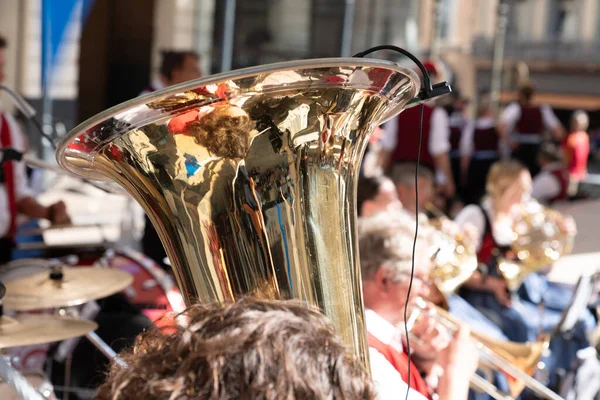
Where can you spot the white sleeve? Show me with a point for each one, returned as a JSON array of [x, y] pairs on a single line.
[[472, 214], [510, 116], [388, 382], [549, 117], [22, 189], [389, 138], [439, 135], [466, 139], [545, 187]]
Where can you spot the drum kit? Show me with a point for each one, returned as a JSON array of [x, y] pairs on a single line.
[[44, 301]]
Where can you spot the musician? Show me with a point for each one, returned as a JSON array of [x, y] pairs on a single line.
[[576, 149], [552, 183], [176, 67], [403, 176], [508, 185], [439, 364], [458, 120], [525, 123], [16, 197], [252, 349], [540, 303], [479, 149], [376, 194], [400, 139]]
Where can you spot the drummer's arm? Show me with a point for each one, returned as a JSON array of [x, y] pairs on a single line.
[[29, 206]]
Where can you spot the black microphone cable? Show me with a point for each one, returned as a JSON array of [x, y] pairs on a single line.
[[427, 92]]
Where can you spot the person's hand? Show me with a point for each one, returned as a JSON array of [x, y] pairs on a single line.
[[567, 225], [459, 362], [448, 189], [428, 339], [57, 214], [500, 290]]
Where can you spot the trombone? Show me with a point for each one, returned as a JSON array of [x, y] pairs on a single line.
[[515, 360]]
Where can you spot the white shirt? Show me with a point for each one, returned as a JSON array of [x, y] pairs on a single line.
[[439, 133], [466, 145], [546, 185], [512, 114], [388, 382], [471, 214], [22, 189]]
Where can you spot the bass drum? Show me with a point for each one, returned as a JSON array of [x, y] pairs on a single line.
[[26, 358], [153, 290]]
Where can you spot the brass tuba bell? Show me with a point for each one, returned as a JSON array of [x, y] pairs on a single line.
[[249, 177]]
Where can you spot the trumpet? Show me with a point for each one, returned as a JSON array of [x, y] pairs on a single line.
[[516, 360], [538, 241]]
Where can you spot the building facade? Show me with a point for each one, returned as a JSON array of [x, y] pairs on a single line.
[[113, 52]]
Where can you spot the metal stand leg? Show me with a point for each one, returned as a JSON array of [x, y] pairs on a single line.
[[18, 382], [105, 348]]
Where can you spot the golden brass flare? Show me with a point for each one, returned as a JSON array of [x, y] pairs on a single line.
[[249, 177]]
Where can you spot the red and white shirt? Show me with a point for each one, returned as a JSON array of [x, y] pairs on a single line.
[[21, 187], [388, 381]]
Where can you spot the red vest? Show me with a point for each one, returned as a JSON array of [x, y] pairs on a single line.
[[487, 248], [455, 133], [531, 121], [488, 244], [9, 177], [400, 362], [485, 139], [408, 136], [457, 124], [562, 175]]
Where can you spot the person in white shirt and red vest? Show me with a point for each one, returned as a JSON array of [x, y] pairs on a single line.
[[457, 121], [176, 67], [552, 183], [400, 140], [441, 366], [539, 304], [524, 124], [479, 149], [15, 195]]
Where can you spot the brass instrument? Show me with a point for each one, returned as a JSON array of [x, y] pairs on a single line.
[[455, 259], [538, 242], [517, 360], [249, 177]]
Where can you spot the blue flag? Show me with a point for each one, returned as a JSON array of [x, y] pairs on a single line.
[[56, 17]]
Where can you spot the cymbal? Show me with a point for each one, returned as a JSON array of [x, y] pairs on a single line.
[[78, 285], [25, 330]]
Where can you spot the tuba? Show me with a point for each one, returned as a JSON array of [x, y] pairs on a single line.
[[249, 177]]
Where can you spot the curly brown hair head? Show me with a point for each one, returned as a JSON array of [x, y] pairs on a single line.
[[252, 349], [224, 132]]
